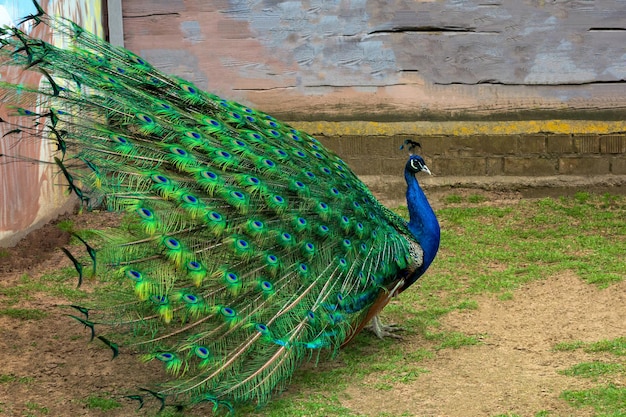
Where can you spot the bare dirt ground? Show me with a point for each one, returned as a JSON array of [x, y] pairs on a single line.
[[515, 370], [49, 368]]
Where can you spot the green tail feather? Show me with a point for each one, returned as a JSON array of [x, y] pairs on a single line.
[[251, 245]]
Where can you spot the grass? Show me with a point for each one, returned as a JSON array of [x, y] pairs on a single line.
[[488, 249], [66, 225], [542, 413], [453, 340], [595, 369], [10, 378], [23, 313], [101, 403], [608, 397], [609, 400], [60, 283], [456, 199], [34, 409], [506, 249], [567, 346], [614, 346], [453, 199]]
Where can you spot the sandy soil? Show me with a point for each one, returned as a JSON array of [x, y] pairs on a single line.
[[515, 369]]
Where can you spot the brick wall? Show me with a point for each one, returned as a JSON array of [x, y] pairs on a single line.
[[478, 155], [518, 161]]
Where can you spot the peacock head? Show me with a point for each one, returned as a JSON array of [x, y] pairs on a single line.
[[415, 163]]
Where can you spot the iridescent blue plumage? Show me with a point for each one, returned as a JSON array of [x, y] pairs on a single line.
[[423, 222], [248, 243]]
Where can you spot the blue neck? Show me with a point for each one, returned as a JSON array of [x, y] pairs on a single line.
[[423, 224]]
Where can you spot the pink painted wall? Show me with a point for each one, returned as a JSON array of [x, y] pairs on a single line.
[[29, 192]]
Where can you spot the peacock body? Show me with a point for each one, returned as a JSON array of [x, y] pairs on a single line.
[[249, 246]]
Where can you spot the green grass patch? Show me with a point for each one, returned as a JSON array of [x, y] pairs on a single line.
[[569, 346], [10, 379], [614, 346], [610, 400], [7, 378], [59, 283], [453, 340], [102, 403], [33, 407], [595, 369], [506, 296], [497, 249], [23, 313], [452, 199], [313, 405], [66, 225], [476, 198]]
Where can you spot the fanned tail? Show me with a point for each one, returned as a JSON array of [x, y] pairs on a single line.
[[249, 245]]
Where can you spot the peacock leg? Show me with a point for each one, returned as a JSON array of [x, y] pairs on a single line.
[[381, 330]]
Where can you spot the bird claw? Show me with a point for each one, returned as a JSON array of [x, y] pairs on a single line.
[[384, 330]]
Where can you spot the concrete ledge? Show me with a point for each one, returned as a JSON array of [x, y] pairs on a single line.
[[509, 183]]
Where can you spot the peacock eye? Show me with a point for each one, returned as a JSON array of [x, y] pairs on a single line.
[[190, 298]]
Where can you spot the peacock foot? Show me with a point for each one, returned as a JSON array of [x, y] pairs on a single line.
[[381, 330]]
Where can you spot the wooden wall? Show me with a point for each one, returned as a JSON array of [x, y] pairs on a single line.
[[393, 60]]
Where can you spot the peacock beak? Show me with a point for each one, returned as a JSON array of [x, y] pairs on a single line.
[[426, 170]]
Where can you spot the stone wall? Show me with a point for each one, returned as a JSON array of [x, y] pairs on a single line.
[[523, 155], [518, 155], [508, 161]]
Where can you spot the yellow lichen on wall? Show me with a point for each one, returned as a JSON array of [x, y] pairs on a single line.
[[460, 128]]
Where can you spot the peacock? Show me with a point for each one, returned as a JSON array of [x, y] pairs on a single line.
[[248, 247]]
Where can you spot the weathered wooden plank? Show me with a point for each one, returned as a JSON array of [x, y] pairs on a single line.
[[400, 59]]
